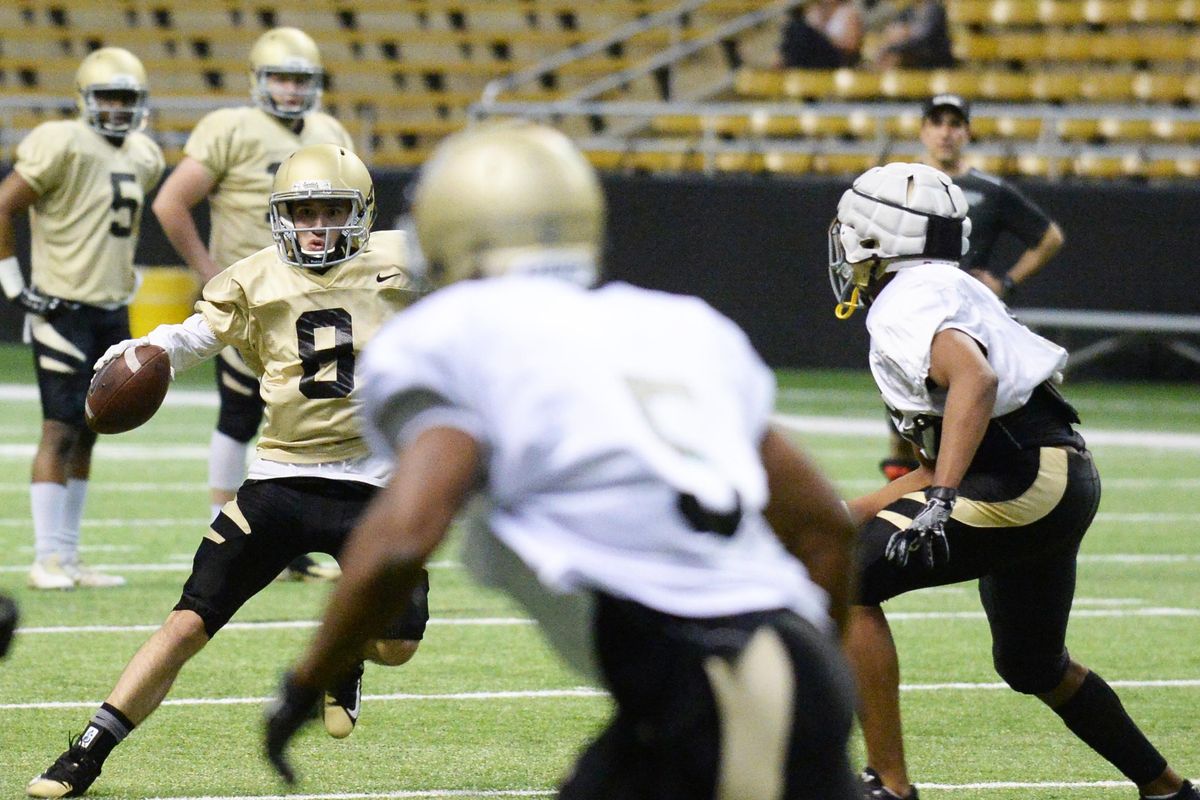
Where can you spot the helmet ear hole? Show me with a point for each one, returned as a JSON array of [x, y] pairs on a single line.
[[870, 243]]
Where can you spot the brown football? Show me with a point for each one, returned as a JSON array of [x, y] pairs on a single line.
[[128, 390]]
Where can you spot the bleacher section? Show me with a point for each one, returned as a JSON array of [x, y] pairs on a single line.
[[400, 73], [1089, 88]]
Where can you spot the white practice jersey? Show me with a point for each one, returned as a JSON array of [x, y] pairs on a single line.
[[596, 411], [927, 298]]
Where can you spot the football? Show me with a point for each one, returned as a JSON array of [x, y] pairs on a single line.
[[128, 390]]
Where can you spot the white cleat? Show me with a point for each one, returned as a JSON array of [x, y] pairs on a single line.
[[88, 578], [51, 573]]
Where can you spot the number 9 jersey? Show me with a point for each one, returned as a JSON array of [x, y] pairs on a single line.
[[301, 330], [85, 222]]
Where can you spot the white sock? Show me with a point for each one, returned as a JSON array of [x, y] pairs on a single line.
[[47, 501], [226, 462], [72, 516], [213, 510]]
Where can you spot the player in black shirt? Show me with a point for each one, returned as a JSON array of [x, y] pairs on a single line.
[[995, 207]]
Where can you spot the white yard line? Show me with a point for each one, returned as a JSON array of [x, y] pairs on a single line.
[[272, 625], [183, 565], [942, 787], [877, 428], [579, 692], [380, 795]]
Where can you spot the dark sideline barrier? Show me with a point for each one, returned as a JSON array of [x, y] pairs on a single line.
[[755, 248]]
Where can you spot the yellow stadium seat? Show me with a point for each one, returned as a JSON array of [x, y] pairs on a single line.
[[853, 84], [750, 82], [1107, 86], [1004, 86], [1062, 12], [969, 12], [954, 81], [1055, 86], [1094, 165], [771, 126], [1018, 127], [788, 163], [808, 84], [995, 164], [1081, 130], [843, 163], [1039, 166], [817, 125], [1175, 130], [1160, 87], [1014, 12], [904, 83]]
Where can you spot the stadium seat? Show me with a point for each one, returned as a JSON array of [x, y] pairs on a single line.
[[788, 163]]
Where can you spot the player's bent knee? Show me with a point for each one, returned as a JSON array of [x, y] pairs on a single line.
[[1030, 675], [186, 630], [394, 652]]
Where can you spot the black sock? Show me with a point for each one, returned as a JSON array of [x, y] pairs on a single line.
[[105, 731], [1095, 714]]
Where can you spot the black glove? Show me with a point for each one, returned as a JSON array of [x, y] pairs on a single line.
[[43, 305], [286, 714], [927, 531], [8, 623]]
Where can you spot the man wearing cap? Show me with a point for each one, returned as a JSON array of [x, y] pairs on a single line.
[[995, 207]]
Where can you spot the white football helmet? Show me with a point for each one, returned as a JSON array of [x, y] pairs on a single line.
[[504, 198], [322, 172], [112, 72], [895, 212], [286, 51]]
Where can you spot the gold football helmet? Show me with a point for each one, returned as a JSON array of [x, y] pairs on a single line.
[[507, 198], [322, 172], [286, 51], [112, 75]]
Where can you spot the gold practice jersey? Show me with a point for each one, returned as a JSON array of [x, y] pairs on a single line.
[[301, 331], [85, 222], [241, 148]]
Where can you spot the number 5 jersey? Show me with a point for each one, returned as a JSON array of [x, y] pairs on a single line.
[[85, 222]]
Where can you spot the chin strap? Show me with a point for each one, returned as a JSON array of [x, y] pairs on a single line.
[[846, 308]]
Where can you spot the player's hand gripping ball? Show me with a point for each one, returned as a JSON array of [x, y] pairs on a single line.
[[128, 389]]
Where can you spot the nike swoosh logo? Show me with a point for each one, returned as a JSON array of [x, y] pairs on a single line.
[[380, 278]]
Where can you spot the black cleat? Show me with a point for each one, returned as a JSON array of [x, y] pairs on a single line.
[[69, 776], [873, 788], [342, 704], [1186, 792]]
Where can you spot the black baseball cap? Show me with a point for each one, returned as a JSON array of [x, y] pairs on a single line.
[[940, 101]]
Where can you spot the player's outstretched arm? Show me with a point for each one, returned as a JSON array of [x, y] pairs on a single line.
[[187, 344], [811, 520], [382, 561], [184, 188]]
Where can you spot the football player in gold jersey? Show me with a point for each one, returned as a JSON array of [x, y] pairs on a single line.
[[299, 312], [230, 158], [82, 183]]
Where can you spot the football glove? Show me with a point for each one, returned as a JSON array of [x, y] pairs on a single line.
[[292, 707], [8, 623], [926, 533], [43, 305]]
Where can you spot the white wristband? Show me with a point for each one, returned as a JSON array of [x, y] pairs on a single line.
[[11, 281]]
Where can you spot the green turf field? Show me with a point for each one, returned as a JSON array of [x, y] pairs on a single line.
[[485, 710]]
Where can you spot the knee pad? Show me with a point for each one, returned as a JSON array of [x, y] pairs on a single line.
[[1030, 673]]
